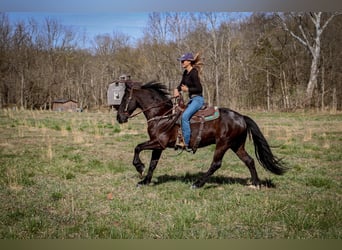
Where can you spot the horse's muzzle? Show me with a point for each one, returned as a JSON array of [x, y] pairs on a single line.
[[122, 117]]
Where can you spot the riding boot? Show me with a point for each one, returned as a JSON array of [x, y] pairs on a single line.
[[180, 144], [180, 140]]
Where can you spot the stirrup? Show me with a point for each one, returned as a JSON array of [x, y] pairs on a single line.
[[180, 144], [180, 140], [187, 149]]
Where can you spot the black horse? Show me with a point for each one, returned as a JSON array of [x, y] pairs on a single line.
[[229, 131]]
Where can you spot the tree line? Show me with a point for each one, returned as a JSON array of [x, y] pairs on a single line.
[[267, 61]]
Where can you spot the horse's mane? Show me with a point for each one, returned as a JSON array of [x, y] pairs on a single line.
[[157, 87]]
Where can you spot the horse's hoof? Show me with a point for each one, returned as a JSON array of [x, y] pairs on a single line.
[[142, 183], [257, 187], [140, 168], [195, 186]]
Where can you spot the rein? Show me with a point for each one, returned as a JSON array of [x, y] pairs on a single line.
[[146, 109], [152, 107]]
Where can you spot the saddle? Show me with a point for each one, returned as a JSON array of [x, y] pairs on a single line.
[[206, 113]]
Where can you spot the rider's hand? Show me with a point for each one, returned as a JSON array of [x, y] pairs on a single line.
[[184, 88], [175, 93]]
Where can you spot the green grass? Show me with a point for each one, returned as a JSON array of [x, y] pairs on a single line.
[[70, 176]]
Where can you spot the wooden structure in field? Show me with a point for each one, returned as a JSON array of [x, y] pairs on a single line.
[[64, 105], [116, 90]]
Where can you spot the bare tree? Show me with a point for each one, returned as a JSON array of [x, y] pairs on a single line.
[[311, 40], [248, 63], [5, 41], [213, 22]]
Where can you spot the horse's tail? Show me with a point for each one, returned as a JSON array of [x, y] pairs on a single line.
[[262, 149]]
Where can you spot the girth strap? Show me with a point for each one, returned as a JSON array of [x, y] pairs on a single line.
[[199, 135]]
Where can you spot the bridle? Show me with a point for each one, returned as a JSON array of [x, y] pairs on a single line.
[[129, 99], [146, 109]]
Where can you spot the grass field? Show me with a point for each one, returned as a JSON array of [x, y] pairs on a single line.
[[69, 175]]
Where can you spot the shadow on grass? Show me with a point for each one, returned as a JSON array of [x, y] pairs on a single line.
[[216, 180]]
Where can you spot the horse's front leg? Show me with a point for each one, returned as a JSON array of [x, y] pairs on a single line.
[[139, 166], [156, 153]]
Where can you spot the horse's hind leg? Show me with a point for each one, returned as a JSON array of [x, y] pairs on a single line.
[[156, 153], [220, 150], [249, 162]]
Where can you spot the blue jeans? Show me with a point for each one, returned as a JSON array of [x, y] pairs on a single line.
[[194, 105]]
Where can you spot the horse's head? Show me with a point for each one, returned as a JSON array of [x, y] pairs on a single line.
[[152, 98], [128, 103]]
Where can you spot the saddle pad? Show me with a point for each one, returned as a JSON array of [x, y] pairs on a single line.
[[209, 114]]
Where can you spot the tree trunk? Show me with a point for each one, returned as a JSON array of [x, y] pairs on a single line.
[[268, 89], [22, 91], [323, 90], [334, 101], [312, 41], [312, 84]]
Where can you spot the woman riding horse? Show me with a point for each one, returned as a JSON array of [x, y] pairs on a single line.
[[229, 131], [190, 83]]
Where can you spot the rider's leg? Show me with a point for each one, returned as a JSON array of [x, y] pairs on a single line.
[[194, 105]]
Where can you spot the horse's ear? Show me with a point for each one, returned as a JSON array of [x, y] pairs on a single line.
[[129, 85]]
